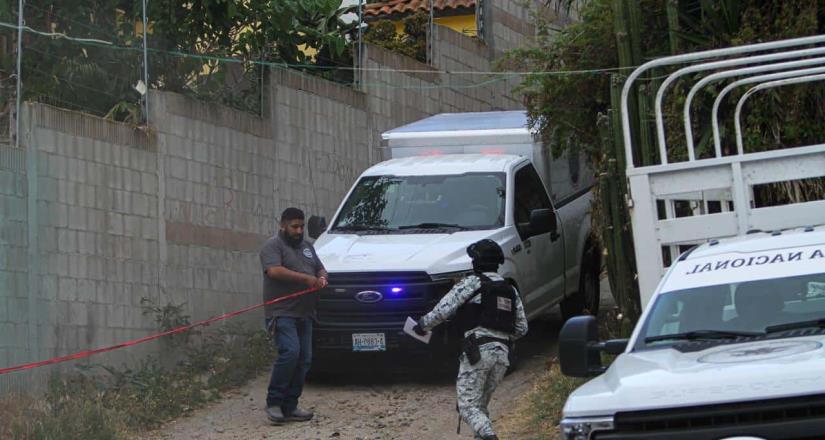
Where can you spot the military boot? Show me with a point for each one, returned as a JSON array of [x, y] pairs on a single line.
[[299, 415]]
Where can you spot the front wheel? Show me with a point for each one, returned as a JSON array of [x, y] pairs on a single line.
[[586, 300]]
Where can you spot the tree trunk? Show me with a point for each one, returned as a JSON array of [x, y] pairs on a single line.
[[621, 261]]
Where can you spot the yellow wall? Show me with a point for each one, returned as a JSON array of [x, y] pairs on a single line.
[[465, 24]]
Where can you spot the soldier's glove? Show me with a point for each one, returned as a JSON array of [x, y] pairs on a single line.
[[418, 330]]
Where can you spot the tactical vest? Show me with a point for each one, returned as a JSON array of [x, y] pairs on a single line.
[[497, 310]]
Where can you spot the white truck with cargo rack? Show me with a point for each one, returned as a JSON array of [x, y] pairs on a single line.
[[731, 341], [398, 241]]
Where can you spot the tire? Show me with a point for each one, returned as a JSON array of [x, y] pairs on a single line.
[[586, 300]]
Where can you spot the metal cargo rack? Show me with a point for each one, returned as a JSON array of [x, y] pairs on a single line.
[[719, 190]]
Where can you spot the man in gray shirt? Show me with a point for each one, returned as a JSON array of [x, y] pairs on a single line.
[[289, 265]]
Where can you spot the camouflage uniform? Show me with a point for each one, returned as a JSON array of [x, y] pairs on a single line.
[[476, 383]]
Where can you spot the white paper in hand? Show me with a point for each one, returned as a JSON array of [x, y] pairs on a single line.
[[408, 329]]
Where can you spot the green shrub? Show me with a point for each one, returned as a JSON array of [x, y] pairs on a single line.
[[104, 402]]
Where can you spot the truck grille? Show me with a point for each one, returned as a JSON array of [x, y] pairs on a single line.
[[338, 305], [797, 418]]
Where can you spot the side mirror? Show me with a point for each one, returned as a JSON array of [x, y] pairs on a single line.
[[316, 226], [542, 221], [579, 349]]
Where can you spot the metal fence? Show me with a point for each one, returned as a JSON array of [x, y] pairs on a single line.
[[94, 56]]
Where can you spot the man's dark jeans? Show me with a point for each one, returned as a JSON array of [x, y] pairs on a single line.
[[293, 339]]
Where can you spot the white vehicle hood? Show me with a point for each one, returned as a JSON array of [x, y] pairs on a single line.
[[666, 378], [432, 253]]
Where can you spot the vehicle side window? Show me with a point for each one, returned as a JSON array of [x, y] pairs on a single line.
[[529, 195]]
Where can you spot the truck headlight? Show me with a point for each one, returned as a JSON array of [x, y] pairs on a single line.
[[580, 428]]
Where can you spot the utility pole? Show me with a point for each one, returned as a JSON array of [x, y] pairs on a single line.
[[359, 61], [145, 64], [430, 36], [19, 70]]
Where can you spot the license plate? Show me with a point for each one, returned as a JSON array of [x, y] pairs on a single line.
[[369, 342]]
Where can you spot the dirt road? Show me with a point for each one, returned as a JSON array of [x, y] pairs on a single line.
[[372, 408]]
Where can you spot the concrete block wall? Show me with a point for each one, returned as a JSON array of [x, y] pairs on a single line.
[[395, 98], [91, 239], [321, 141], [97, 230], [511, 25], [457, 53], [14, 304], [215, 198]]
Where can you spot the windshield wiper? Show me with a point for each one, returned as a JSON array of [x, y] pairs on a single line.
[[361, 228], [434, 225], [795, 325], [704, 334]]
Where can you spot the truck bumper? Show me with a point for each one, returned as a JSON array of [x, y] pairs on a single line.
[[342, 318]]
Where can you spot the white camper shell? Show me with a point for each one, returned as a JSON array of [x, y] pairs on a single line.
[[492, 133]]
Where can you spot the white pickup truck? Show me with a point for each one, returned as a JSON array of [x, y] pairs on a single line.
[[398, 241], [730, 342]]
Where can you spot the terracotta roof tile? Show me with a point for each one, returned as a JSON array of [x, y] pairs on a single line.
[[393, 7]]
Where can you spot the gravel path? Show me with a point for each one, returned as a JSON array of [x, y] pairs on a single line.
[[384, 407]]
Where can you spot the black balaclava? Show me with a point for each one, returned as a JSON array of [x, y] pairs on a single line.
[[481, 268]]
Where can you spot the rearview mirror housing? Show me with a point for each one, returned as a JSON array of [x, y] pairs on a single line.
[[316, 226], [580, 350], [542, 221]]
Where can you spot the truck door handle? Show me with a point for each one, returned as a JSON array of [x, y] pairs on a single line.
[[554, 236], [527, 244]]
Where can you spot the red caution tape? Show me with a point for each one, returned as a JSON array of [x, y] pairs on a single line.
[[85, 354]]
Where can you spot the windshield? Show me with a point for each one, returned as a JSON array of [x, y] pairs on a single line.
[[733, 310], [462, 201]]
